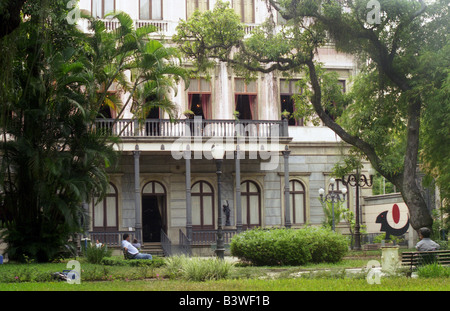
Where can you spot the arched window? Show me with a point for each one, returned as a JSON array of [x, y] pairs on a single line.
[[202, 196], [105, 212], [153, 188], [251, 204], [297, 201]]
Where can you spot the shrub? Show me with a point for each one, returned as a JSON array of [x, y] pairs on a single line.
[[119, 261], [197, 269], [289, 246], [95, 254], [433, 271]]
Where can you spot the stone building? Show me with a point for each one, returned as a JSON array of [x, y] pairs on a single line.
[[166, 188]]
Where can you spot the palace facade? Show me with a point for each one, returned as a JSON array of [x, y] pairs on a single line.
[[177, 180]]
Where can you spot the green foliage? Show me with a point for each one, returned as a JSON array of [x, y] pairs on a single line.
[[340, 213], [394, 239], [119, 261], [197, 269], [289, 246], [402, 63], [197, 39], [96, 254], [433, 271], [53, 86]]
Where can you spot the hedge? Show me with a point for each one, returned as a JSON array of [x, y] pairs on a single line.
[[290, 247]]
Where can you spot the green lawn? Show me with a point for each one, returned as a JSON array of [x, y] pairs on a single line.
[[331, 277], [386, 284]]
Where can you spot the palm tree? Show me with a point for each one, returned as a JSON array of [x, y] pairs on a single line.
[[52, 159], [142, 67]]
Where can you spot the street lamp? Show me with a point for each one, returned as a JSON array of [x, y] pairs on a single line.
[[358, 180], [218, 153], [332, 196]]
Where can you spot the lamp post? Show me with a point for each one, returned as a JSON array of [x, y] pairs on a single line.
[[332, 196], [358, 180], [218, 153]]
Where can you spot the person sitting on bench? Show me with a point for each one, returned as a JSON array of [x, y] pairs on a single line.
[[426, 244], [132, 251]]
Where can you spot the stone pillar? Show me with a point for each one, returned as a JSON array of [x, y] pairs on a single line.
[[137, 195], [238, 190], [287, 208], [187, 157]]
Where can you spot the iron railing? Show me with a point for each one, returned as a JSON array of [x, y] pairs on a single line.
[[185, 244], [110, 239], [166, 244], [209, 237]]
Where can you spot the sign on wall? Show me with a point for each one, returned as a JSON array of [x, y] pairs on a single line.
[[393, 222], [392, 218]]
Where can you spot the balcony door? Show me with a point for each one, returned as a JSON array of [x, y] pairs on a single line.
[[245, 99], [199, 98]]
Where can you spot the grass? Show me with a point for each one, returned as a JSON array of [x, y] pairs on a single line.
[[319, 284], [209, 275]]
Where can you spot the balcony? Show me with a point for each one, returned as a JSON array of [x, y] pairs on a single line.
[[162, 27], [164, 128]]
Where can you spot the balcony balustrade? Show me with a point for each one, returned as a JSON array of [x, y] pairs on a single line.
[[193, 127]]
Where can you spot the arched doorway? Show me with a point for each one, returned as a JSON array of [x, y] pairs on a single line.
[[154, 211]]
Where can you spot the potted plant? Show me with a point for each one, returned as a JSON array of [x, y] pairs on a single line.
[[285, 115], [189, 114]]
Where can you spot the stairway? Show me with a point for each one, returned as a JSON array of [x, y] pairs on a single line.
[[153, 248]]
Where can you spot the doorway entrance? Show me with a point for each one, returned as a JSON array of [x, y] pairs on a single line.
[[151, 218], [153, 212]]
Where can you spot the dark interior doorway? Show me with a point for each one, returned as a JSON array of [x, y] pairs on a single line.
[[243, 107], [152, 217]]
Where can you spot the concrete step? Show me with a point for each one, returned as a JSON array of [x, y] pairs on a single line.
[[153, 248]]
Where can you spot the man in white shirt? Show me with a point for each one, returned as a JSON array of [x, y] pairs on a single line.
[[132, 251]]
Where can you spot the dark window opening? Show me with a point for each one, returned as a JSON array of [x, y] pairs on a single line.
[[243, 107]]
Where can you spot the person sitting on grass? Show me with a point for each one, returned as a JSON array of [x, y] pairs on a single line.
[[131, 251]]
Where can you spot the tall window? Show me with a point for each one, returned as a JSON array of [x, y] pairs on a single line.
[[199, 97], [150, 9], [297, 201], [202, 196], [287, 91], [343, 86], [105, 212], [251, 204], [245, 9], [245, 99], [193, 5], [102, 7]]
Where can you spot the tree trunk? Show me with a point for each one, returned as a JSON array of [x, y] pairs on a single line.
[[405, 181], [410, 190]]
